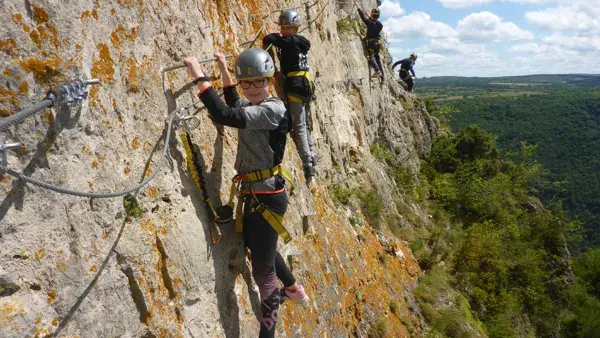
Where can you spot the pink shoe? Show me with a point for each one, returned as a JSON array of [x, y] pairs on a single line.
[[299, 296]]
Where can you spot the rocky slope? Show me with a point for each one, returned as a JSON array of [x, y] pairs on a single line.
[[76, 267]]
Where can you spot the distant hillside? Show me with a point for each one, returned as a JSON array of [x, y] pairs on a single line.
[[558, 113], [538, 79]]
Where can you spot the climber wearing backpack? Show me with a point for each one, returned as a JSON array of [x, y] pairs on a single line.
[[407, 65], [292, 50], [262, 124], [374, 27]]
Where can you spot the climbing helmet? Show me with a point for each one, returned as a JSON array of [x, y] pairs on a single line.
[[254, 63], [375, 13], [289, 17], [414, 55]]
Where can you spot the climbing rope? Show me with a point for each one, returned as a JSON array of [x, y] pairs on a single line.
[[61, 190]]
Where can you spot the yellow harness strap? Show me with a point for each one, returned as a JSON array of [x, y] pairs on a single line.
[[299, 73], [274, 219]]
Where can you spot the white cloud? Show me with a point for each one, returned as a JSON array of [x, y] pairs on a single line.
[[453, 45], [578, 43], [580, 16], [486, 26], [462, 3], [390, 8], [416, 25], [527, 2]]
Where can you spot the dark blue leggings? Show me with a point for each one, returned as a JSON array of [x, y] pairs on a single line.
[[267, 263]]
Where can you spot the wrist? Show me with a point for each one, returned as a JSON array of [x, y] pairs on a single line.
[[203, 86]]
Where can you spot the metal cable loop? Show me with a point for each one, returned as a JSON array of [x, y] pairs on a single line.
[[99, 195]]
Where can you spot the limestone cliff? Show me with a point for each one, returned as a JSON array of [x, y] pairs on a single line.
[[77, 267]]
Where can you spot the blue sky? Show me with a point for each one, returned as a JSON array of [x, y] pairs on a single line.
[[495, 37]]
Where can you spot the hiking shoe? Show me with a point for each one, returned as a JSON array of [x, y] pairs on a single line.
[[298, 297], [315, 159]]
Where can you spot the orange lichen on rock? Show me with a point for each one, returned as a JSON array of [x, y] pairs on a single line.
[[51, 296], [39, 15], [41, 253], [85, 15], [95, 14], [43, 70], [103, 68], [135, 143], [8, 46], [24, 88], [8, 96]]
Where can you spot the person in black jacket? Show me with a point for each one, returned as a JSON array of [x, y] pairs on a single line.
[[292, 50], [407, 65], [374, 27]]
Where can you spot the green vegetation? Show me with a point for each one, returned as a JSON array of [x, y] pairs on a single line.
[[347, 26], [506, 251]]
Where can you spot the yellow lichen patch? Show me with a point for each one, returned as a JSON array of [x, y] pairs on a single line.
[[135, 143], [94, 164], [148, 171], [35, 37], [39, 15], [112, 11], [40, 254], [85, 149], [55, 322], [38, 320], [51, 296], [94, 268], [95, 14], [48, 117], [17, 18], [147, 225], [152, 192], [61, 266], [91, 185], [103, 68], [132, 75], [8, 46], [24, 88], [43, 70], [147, 145], [54, 35], [85, 15], [126, 3], [126, 171], [8, 96]]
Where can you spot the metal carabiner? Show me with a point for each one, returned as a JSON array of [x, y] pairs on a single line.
[[191, 121]]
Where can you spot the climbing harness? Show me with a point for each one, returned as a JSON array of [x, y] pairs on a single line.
[[274, 218], [301, 73], [222, 214]]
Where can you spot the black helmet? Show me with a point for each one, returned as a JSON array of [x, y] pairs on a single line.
[[254, 63], [375, 13], [289, 17]]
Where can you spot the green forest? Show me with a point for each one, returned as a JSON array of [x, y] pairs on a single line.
[[514, 190]]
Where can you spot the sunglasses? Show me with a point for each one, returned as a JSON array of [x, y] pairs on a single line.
[[256, 83]]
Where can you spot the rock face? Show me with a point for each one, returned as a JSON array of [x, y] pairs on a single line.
[[76, 267]]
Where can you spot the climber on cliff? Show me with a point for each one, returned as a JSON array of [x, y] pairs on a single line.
[[262, 123], [374, 27], [407, 65], [292, 50]]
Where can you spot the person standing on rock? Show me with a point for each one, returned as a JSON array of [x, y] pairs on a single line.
[[374, 27], [262, 124], [407, 65], [292, 51]]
